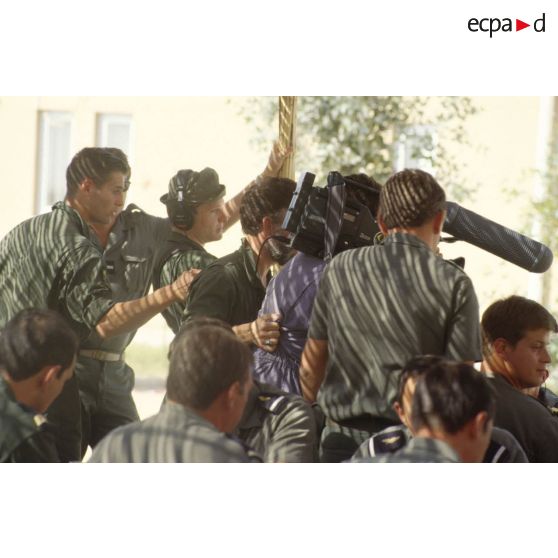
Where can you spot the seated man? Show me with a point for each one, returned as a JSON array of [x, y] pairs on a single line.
[[207, 389], [37, 355], [452, 411], [232, 288], [515, 333], [503, 447], [279, 426], [291, 294]]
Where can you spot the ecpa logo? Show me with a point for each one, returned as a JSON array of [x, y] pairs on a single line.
[[493, 25]]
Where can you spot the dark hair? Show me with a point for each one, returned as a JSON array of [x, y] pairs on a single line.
[[449, 395], [265, 198], [413, 369], [33, 339], [205, 361], [511, 318], [95, 163], [410, 198], [369, 199]]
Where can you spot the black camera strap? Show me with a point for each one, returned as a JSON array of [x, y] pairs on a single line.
[[334, 219]]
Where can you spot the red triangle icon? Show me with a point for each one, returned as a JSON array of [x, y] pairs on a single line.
[[519, 25]]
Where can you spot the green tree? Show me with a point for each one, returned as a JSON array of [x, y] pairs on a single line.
[[368, 134]]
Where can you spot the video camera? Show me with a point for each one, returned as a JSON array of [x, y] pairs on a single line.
[[323, 221]]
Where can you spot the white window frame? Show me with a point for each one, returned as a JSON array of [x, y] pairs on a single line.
[[104, 121], [404, 148], [47, 121]]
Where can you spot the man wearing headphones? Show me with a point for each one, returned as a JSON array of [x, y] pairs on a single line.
[[198, 214]]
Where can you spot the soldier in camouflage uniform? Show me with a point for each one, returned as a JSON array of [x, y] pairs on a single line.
[[198, 215], [207, 388], [451, 416], [37, 356], [56, 261]]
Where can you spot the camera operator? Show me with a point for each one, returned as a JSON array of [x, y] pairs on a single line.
[[291, 294], [379, 306]]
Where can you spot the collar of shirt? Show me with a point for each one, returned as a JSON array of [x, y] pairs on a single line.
[[180, 414], [76, 218], [405, 238], [431, 445]]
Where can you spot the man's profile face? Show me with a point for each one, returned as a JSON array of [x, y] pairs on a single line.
[[106, 201], [209, 221], [528, 361]]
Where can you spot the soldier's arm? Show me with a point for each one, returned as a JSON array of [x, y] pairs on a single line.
[[131, 315], [463, 338], [276, 157], [212, 296], [313, 367]]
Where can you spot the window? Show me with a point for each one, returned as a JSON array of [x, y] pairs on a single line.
[[115, 130], [55, 139], [415, 148]]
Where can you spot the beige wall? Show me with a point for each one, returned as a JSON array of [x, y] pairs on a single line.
[[180, 132]]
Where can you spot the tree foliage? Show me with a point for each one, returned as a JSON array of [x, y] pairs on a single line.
[[369, 134]]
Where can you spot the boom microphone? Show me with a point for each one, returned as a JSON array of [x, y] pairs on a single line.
[[498, 240]]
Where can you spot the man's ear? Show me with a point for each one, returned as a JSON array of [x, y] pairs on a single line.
[[478, 425], [48, 374], [499, 347], [438, 221], [232, 394], [86, 185], [267, 226], [381, 224]]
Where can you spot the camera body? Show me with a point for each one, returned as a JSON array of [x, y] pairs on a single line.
[[323, 221]]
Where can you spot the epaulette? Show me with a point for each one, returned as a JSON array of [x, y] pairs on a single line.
[[496, 453], [388, 442], [456, 263], [273, 403], [39, 420]]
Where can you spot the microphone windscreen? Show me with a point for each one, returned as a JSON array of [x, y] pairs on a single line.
[[498, 240]]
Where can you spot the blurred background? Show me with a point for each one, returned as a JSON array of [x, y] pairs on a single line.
[[497, 156]]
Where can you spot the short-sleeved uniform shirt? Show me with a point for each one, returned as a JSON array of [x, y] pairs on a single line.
[[180, 254], [133, 246], [532, 424], [52, 261], [24, 437], [229, 289], [174, 435], [279, 426], [503, 447], [380, 306], [418, 450], [291, 293]]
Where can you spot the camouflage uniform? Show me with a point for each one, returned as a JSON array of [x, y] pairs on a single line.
[[174, 435], [23, 436], [503, 448], [180, 254], [418, 450], [52, 261]]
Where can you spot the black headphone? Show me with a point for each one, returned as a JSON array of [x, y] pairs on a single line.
[[183, 213]]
